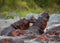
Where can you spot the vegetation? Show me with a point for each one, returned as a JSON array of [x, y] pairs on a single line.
[[23, 7]]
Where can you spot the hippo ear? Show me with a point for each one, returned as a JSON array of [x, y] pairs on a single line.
[[45, 14]]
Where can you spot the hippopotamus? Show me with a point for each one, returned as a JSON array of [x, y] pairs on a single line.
[[10, 40], [22, 24], [39, 26]]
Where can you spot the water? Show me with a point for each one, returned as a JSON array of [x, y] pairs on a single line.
[[32, 14], [5, 25], [54, 22]]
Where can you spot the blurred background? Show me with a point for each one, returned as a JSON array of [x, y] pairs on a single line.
[[24, 7]]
